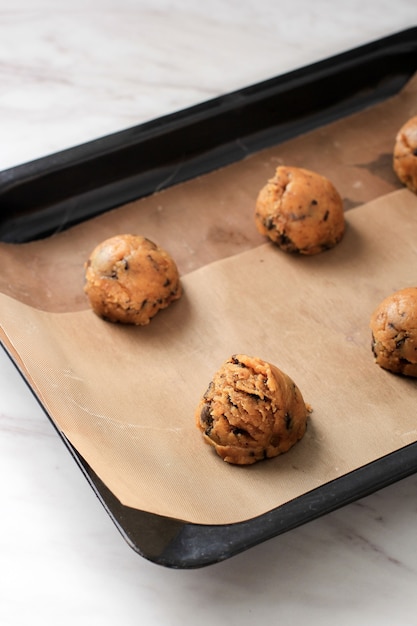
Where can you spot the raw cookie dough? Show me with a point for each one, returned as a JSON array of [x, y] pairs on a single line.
[[129, 279], [405, 154], [300, 211], [394, 332], [251, 411]]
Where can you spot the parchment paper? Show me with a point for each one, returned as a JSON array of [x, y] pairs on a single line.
[[125, 397], [211, 216]]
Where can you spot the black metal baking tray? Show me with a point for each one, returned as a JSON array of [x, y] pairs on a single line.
[[58, 191]]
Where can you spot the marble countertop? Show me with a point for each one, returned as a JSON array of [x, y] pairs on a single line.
[[72, 72]]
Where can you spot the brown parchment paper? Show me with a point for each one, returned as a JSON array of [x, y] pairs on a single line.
[[125, 397], [211, 216]]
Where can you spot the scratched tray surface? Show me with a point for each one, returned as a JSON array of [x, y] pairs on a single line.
[[36, 199]]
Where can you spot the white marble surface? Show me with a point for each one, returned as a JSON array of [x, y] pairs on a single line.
[[74, 71]]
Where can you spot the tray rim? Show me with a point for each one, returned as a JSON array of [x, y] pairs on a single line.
[[175, 543], [139, 160], [181, 548]]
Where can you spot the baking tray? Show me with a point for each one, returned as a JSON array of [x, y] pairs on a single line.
[[53, 193]]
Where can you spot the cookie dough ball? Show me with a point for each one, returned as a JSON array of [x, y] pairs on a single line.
[[394, 332], [300, 211], [251, 411], [405, 154], [129, 279]]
